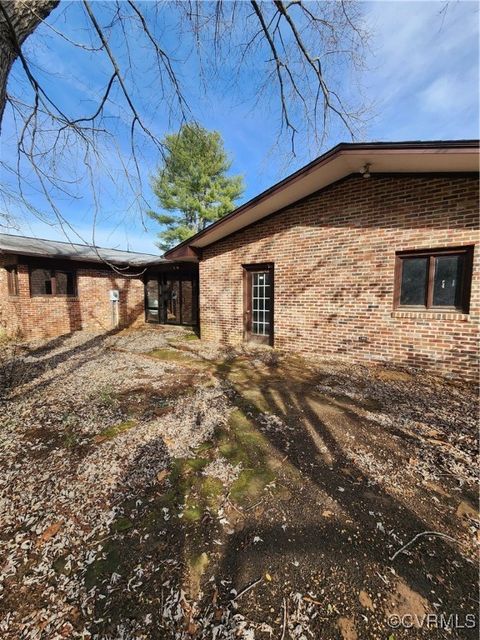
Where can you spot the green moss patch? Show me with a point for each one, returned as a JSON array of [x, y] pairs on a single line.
[[204, 447], [199, 493], [170, 355], [196, 464], [122, 524], [192, 513], [250, 484], [242, 443], [115, 430], [211, 491], [103, 568], [180, 356], [197, 565]]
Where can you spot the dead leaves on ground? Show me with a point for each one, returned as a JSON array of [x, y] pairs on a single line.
[[49, 533]]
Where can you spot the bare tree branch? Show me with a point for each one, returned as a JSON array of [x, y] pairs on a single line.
[[282, 57]]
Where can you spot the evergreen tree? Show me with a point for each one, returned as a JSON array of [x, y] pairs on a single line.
[[192, 184]]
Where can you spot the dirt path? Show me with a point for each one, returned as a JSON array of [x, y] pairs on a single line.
[[156, 487]]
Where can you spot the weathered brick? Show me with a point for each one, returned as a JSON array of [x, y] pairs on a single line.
[[47, 316]]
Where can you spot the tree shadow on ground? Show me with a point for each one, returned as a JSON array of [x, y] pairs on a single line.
[[46, 358], [157, 559], [357, 542], [326, 528]]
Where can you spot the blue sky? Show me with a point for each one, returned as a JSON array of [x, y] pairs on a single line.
[[421, 79]]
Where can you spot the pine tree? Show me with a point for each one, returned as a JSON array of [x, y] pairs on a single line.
[[192, 184]]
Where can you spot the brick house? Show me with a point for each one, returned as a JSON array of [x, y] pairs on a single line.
[[365, 254], [50, 288]]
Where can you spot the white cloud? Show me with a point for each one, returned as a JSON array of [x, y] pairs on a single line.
[[424, 62], [446, 92]]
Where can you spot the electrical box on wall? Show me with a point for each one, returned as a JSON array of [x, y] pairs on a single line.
[[114, 295]]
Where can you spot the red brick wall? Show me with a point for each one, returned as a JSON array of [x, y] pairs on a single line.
[[334, 261], [45, 316]]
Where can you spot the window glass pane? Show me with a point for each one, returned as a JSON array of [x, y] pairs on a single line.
[[414, 281], [41, 282], [64, 283], [447, 283]]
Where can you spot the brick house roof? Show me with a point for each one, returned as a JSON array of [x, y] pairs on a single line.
[[439, 156], [36, 247]]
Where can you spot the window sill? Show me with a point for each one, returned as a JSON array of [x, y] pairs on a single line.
[[49, 296], [457, 316]]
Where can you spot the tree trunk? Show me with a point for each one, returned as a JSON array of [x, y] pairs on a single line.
[[18, 19]]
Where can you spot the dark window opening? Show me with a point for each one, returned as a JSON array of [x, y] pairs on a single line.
[[52, 282], [12, 279], [434, 279], [65, 283], [41, 282], [447, 283], [414, 281]]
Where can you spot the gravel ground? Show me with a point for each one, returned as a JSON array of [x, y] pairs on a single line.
[[59, 492], [92, 434]]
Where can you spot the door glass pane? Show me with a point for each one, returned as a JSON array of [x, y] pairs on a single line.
[[172, 294], [152, 315], [414, 281], [151, 294], [151, 289], [261, 303], [447, 283]]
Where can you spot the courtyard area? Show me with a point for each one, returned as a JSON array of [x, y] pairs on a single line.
[[153, 486]]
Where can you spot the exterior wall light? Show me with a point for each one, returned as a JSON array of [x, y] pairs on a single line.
[[365, 170]]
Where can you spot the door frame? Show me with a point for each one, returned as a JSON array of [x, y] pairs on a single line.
[[176, 272], [181, 278], [248, 269]]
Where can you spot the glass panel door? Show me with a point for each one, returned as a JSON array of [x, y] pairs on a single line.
[[258, 298], [172, 297], [261, 303]]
